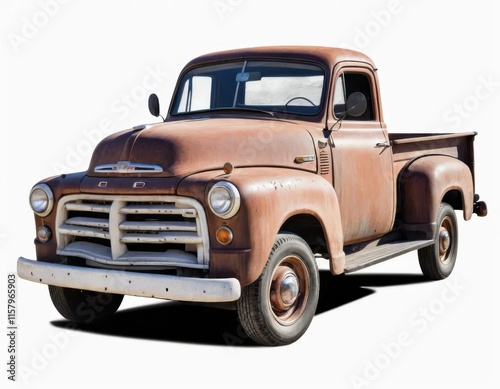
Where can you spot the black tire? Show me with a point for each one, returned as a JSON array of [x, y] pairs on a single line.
[[279, 306], [83, 306], [438, 260]]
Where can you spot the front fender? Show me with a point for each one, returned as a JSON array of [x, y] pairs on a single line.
[[268, 198], [423, 185]]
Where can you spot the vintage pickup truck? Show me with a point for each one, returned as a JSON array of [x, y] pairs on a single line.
[[269, 160]]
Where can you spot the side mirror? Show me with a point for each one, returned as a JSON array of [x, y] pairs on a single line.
[[154, 105], [356, 104]]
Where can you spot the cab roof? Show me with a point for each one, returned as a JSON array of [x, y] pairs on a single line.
[[329, 56]]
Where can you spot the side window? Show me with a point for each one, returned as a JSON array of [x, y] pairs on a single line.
[[346, 84], [339, 97], [196, 94]]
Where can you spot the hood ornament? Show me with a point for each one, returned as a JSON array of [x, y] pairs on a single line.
[[128, 167]]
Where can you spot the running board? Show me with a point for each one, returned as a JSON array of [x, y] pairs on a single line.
[[375, 254]]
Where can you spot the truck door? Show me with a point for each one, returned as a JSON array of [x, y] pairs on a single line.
[[362, 160]]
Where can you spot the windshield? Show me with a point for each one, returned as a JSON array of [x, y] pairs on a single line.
[[276, 86]]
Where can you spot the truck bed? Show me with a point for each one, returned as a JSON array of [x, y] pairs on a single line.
[[407, 146]]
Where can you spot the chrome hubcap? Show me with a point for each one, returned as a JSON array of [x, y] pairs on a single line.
[[289, 289], [285, 288], [444, 240], [446, 233]]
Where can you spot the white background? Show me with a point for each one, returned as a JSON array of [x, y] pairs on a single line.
[[73, 72]]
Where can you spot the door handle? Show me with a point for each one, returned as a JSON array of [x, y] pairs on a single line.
[[382, 144]]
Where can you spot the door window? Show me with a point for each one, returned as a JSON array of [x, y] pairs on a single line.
[[346, 84]]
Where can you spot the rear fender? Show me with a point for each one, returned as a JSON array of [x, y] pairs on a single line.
[[424, 183]]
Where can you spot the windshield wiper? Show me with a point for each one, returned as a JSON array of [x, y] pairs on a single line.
[[240, 109]]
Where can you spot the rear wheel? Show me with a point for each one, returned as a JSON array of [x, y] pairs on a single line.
[[84, 306], [437, 260], [278, 307]]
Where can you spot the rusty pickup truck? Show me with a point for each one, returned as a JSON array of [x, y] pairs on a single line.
[[269, 160]]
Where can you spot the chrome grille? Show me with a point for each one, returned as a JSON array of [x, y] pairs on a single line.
[[153, 231]]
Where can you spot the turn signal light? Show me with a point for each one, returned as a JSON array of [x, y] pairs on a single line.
[[224, 235]]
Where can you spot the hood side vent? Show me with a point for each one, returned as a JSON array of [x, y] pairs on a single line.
[[324, 162]]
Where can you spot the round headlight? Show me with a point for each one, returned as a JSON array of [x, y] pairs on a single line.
[[224, 199], [41, 199]]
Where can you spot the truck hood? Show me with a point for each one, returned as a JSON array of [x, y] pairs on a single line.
[[184, 147]]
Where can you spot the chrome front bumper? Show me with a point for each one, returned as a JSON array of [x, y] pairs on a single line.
[[129, 283]]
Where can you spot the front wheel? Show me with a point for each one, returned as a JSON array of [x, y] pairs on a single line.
[[84, 306], [437, 260], [278, 307]]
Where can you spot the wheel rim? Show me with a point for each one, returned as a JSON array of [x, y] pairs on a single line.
[[289, 290], [445, 240]]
